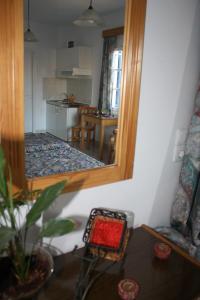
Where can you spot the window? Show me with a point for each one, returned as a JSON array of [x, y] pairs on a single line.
[[115, 84]]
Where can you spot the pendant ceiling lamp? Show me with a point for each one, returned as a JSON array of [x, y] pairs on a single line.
[[89, 18], [28, 34]]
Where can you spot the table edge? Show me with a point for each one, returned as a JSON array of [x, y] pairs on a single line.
[[172, 245]]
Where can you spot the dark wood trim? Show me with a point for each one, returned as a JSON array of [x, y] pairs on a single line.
[[172, 245], [113, 32]]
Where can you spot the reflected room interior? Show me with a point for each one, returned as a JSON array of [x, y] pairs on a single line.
[[72, 80]]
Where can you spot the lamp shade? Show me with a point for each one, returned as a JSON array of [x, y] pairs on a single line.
[[89, 18], [29, 36]]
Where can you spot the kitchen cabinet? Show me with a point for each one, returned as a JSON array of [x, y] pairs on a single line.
[[60, 120], [51, 119], [75, 61]]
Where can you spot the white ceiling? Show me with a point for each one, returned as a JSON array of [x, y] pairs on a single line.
[[60, 12]]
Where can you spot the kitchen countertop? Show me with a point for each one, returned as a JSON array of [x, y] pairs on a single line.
[[63, 103]]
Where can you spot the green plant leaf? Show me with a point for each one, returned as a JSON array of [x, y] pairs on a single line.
[[57, 227], [6, 235], [46, 198]]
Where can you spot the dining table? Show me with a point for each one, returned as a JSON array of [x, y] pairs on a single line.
[[100, 120]]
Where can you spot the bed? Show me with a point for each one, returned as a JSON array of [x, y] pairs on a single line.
[[46, 155]]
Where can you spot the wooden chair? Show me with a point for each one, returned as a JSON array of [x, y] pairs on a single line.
[[88, 129], [112, 146]]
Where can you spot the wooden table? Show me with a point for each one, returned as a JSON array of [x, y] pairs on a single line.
[[102, 122], [174, 279]]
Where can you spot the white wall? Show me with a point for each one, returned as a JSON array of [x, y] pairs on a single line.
[[187, 23], [169, 81]]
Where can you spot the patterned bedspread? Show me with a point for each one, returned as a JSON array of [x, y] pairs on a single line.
[[46, 155]]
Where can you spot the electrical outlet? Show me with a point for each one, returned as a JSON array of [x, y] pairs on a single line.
[[181, 135]]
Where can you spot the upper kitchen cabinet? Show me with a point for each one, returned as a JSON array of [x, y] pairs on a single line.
[[74, 61]]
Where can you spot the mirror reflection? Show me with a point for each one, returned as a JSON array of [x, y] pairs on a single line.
[[72, 68]]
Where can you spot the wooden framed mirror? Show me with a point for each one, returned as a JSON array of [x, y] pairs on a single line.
[[12, 99]]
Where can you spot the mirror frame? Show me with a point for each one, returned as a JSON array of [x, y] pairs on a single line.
[[12, 99]]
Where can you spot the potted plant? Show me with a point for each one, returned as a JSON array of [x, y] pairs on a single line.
[[27, 269]]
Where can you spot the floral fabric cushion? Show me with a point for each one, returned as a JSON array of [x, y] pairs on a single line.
[[189, 175], [180, 210], [185, 213], [193, 144]]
